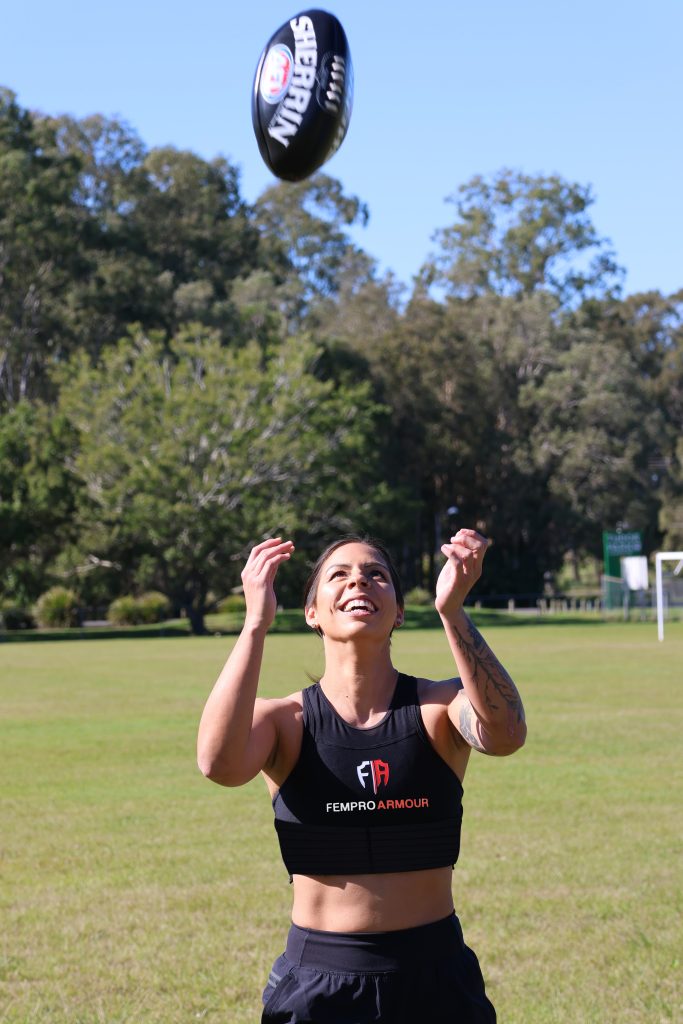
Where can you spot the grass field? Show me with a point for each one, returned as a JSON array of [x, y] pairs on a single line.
[[133, 890]]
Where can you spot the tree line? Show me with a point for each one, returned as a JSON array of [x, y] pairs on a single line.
[[183, 373]]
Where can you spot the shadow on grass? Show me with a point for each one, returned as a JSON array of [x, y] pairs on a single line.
[[164, 629], [428, 618], [291, 620]]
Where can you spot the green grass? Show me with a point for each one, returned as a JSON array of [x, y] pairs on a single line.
[[133, 890]]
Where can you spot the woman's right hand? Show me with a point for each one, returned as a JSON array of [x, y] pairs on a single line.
[[258, 578]]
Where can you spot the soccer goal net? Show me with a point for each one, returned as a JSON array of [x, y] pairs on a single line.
[[614, 594], [668, 587]]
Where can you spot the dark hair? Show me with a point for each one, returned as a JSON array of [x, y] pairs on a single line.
[[311, 587]]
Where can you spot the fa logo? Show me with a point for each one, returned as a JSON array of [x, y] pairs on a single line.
[[378, 771]]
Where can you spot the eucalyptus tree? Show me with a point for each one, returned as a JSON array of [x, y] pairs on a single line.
[[516, 234], [305, 230], [521, 255]]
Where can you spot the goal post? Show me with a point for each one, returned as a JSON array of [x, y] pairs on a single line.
[[664, 556]]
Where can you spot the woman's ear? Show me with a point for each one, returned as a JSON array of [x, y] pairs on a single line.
[[400, 617], [310, 615]]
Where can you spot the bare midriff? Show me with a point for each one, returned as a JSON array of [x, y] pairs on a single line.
[[372, 903]]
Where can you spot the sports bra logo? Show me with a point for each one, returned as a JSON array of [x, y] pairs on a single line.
[[377, 771]]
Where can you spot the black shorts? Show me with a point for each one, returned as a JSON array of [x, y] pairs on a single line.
[[418, 974]]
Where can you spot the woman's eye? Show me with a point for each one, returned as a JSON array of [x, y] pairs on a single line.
[[378, 572]]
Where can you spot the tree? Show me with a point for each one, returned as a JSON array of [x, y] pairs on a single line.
[[518, 234], [41, 252], [195, 227], [593, 433], [479, 434], [38, 496], [304, 226], [646, 331], [522, 254], [169, 234], [190, 453]]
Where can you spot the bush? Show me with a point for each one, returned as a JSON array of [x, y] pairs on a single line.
[[153, 607], [233, 603], [57, 607], [12, 616], [134, 611], [419, 596], [124, 611]]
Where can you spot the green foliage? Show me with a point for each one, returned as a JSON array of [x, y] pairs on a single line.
[[97, 233], [38, 496], [269, 381], [419, 597], [124, 611], [57, 607], [144, 610], [517, 234], [41, 253], [154, 607], [671, 511], [190, 452], [13, 616], [306, 226], [233, 604]]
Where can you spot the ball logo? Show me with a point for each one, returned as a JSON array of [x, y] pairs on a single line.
[[376, 771], [278, 69]]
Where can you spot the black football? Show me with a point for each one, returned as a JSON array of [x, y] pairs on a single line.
[[303, 93]]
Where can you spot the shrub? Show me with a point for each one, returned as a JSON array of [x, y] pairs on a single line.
[[134, 611], [13, 616], [57, 607], [124, 611], [233, 603], [419, 596], [153, 607]]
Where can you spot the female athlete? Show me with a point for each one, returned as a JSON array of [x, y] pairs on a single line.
[[365, 771]]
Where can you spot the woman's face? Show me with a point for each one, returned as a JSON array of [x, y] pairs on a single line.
[[354, 595]]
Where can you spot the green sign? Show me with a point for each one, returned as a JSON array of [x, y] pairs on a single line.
[[616, 546]]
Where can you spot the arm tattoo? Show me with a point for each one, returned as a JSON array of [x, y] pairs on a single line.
[[469, 723], [491, 679]]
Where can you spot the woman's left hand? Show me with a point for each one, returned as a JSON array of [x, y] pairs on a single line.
[[464, 559]]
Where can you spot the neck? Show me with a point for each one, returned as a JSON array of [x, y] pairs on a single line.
[[359, 682]]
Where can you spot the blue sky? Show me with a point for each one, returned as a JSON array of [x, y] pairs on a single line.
[[592, 91]]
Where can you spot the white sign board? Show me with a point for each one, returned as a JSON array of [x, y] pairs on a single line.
[[634, 572]]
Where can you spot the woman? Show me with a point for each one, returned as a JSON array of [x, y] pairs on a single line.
[[365, 772]]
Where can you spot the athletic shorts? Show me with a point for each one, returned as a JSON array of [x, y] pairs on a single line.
[[402, 977]]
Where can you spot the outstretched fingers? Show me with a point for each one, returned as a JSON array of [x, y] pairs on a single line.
[[266, 557]]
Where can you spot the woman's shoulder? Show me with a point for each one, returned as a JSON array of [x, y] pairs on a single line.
[[438, 691], [436, 698], [286, 715], [280, 707]]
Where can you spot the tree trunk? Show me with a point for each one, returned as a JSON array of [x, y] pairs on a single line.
[[195, 617]]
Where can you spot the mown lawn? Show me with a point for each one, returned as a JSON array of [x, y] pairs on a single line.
[[133, 890]]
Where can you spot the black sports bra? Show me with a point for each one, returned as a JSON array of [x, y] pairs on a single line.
[[368, 800]]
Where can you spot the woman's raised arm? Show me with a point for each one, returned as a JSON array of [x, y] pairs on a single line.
[[237, 733], [488, 711]]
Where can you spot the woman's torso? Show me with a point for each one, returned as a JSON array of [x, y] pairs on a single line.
[[367, 902]]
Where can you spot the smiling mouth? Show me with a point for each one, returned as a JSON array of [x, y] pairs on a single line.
[[358, 604]]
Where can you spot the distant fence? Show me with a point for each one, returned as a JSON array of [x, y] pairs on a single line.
[[543, 604]]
